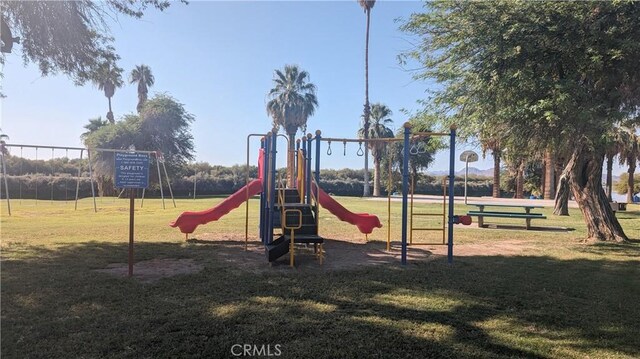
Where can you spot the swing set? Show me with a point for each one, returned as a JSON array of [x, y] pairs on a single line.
[[158, 156]]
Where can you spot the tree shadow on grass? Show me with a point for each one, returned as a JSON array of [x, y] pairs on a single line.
[[54, 305]]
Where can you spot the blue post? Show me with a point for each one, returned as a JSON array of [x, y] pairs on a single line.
[[308, 164], [264, 223], [317, 174], [452, 164], [295, 163], [405, 189], [304, 164], [272, 200]]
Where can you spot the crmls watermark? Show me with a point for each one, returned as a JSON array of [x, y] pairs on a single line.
[[255, 350]]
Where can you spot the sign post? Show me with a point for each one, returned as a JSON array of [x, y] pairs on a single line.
[[467, 156], [132, 172]]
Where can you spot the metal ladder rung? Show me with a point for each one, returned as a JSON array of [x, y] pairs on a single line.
[[427, 214], [427, 229]]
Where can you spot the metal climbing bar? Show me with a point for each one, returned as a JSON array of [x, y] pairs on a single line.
[[413, 214]]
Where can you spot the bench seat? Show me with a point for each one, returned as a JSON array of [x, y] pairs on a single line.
[[526, 216]]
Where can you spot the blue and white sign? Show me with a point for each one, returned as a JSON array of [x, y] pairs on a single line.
[[132, 170]]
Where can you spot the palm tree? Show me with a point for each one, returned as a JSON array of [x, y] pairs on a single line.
[[292, 101], [366, 5], [93, 125], [143, 76], [493, 145], [380, 115], [612, 148], [549, 176], [629, 151], [3, 138], [107, 79]]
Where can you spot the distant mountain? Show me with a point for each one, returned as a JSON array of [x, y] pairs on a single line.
[[472, 172]]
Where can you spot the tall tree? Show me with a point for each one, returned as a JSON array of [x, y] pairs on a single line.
[[493, 145], [162, 125], [69, 37], [629, 151], [366, 5], [292, 101], [3, 138], [144, 78], [549, 176], [94, 125], [380, 116], [548, 72], [108, 78], [614, 141]]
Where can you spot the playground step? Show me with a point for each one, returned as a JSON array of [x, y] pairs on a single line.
[[280, 246], [293, 219], [291, 195], [277, 248]]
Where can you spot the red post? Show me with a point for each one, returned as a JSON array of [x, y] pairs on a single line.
[[132, 200]]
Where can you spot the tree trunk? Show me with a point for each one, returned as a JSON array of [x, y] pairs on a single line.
[[548, 175], [561, 207], [559, 164], [543, 185], [585, 179], [376, 175], [630, 181], [366, 190], [609, 186], [520, 181], [496, 173], [291, 159], [110, 113]]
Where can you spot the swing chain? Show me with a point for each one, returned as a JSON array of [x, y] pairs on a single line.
[[360, 152], [329, 152], [344, 151]]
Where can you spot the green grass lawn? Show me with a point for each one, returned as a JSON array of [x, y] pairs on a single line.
[[554, 297]]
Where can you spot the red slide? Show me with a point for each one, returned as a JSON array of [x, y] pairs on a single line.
[[364, 221], [188, 221]]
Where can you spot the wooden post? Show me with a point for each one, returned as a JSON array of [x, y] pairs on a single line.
[[132, 200]]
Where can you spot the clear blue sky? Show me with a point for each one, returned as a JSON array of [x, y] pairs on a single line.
[[218, 59]]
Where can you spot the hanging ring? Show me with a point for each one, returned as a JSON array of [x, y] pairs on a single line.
[[413, 150], [329, 149], [360, 152]]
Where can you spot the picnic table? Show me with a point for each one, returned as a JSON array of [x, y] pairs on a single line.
[[527, 215]]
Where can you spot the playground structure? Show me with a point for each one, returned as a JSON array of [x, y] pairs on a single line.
[[290, 215], [159, 159]]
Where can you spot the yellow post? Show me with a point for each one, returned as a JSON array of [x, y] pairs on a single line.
[[291, 248], [292, 228], [389, 203]]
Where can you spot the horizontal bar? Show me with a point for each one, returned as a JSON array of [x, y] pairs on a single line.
[[427, 244], [77, 148], [428, 214], [422, 134], [48, 147], [390, 139], [427, 229]]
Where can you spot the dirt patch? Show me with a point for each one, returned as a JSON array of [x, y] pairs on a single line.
[[338, 254], [155, 269], [503, 248]]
